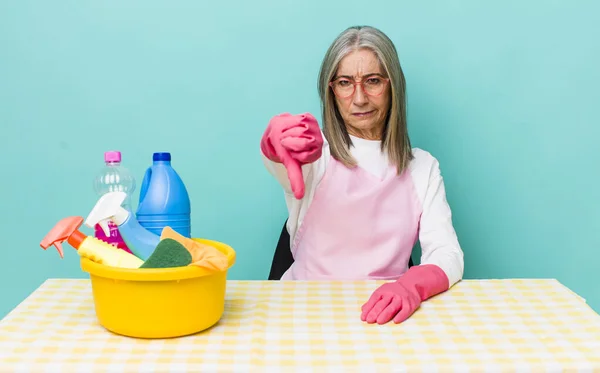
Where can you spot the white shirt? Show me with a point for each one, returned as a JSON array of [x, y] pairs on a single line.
[[439, 243]]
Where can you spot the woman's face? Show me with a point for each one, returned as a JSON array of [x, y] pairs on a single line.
[[363, 114]]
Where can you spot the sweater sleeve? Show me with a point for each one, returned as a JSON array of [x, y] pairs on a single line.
[[437, 236], [312, 174]]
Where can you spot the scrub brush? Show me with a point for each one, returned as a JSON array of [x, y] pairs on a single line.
[[167, 254]]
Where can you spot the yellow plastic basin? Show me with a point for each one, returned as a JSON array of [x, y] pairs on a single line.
[[158, 302]]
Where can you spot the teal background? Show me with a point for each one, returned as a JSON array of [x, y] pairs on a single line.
[[503, 93]]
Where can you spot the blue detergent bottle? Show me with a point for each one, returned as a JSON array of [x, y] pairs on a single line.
[[164, 200]]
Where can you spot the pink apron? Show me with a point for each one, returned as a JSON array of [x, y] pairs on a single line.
[[358, 226]]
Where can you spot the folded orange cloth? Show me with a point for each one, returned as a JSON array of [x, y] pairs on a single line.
[[202, 255]]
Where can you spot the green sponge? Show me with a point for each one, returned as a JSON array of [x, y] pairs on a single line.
[[168, 253]]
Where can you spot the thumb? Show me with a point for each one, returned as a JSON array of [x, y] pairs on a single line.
[[293, 168], [294, 171]]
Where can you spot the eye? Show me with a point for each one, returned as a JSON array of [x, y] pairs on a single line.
[[373, 81], [343, 82]]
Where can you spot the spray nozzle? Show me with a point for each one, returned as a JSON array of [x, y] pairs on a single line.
[[65, 230], [108, 208]]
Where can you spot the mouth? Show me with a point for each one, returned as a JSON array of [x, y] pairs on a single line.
[[364, 114]]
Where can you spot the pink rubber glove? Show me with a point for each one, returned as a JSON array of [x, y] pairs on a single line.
[[400, 299], [293, 140]]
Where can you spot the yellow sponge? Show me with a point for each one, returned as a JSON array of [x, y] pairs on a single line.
[[202, 255]]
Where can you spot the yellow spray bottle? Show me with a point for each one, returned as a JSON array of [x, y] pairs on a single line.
[[89, 247]]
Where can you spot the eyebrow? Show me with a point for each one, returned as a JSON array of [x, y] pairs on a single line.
[[351, 77]]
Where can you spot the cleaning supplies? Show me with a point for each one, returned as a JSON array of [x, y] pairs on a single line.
[[140, 241], [89, 247], [168, 254], [164, 200], [202, 255], [113, 177]]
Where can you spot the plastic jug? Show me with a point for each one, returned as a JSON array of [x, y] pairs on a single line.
[[164, 200]]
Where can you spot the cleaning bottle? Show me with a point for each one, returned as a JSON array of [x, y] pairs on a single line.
[[109, 209], [164, 200], [114, 177], [89, 247]]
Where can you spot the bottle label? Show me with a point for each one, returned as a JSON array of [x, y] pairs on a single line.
[[114, 237]]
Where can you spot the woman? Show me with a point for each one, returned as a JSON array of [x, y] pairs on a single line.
[[358, 195]]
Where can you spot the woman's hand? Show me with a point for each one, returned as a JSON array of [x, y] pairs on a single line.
[[391, 301], [293, 140], [398, 300]]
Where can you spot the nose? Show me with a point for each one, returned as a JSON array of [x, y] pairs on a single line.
[[359, 97]]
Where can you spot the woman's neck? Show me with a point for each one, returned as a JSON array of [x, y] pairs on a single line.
[[369, 134]]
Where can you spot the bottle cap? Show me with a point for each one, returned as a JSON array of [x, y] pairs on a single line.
[[112, 156], [161, 156]]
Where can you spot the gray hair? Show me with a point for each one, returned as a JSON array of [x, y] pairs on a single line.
[[395, 140]]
